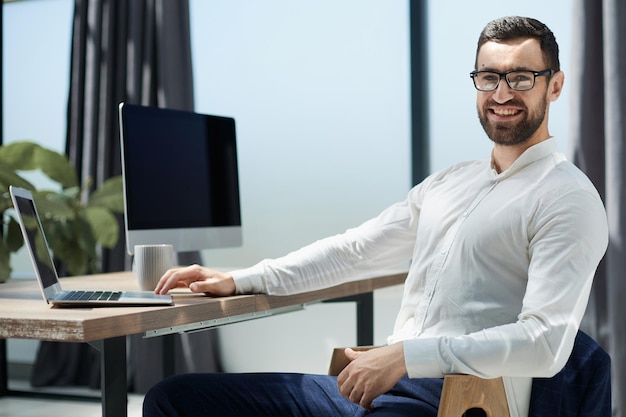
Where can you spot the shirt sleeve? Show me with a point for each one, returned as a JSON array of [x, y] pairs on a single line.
[[381, 243], [567, 240]]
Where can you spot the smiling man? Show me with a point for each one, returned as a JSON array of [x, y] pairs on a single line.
[[502, 257], [514, 113]]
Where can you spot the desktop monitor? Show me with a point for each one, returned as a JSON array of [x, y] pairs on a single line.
[[180, 177]]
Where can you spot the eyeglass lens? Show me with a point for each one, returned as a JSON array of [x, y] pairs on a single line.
[[517, 80]]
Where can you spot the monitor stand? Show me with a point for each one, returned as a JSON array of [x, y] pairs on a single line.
[[189, 258]]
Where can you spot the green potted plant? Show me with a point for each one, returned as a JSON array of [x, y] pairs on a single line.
[[75, 221]]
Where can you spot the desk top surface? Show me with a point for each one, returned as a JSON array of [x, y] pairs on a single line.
[[25, 314]]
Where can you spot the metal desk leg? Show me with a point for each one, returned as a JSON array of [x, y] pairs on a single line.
[[168, 343], [365, 319], [4, 369], [113, 376]]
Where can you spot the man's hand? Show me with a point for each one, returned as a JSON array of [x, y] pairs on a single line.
[[371, 373], [197, 279]]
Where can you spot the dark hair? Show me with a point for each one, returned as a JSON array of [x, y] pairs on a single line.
[[515, 27]]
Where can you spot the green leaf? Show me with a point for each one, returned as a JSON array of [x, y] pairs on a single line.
[[19, 155], [29, 156], [5, 262], [104, 225], [83, 232], [13, 236], [56, 166], [109, 195], [73, 224], [75, 259], [73, 244], [53, 206], [8, 176], [70, 194], [57, 231], [5, 202]]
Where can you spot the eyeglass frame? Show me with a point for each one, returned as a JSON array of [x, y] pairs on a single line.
[[549, 72]]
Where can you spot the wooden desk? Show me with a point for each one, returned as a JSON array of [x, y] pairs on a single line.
[[24, 314]]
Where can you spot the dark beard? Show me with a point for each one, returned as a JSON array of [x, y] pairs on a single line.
[[511, 135]]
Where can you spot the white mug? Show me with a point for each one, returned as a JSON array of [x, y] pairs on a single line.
[[151, 262]]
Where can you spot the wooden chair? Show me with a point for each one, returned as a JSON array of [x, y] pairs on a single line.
[[583, 387], [469, 395]]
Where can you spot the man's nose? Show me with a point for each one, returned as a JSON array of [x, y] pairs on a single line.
[[503, 92]]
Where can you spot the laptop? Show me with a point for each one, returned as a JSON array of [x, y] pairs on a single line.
[[47, 276]]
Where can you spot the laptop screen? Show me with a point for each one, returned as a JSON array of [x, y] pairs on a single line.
[[36, 241]]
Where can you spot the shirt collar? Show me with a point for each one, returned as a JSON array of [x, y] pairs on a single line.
[[530, 155]]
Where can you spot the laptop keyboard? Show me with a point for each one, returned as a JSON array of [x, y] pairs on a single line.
[[91, 295]]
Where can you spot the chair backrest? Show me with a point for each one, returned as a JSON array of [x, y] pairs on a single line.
[[465, 395], [581, 388]]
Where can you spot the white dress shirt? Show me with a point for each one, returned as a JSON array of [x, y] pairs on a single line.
[[500, 274]]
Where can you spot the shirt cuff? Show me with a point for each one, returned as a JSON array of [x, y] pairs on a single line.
[[421, 359], [248, 280]]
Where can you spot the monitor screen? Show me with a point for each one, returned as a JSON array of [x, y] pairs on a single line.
[[181, 182]]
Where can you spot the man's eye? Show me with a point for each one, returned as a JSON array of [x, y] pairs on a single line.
[[520, 78]]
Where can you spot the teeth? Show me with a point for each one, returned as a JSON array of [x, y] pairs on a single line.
[[505, 112]]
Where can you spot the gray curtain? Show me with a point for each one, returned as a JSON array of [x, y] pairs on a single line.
[[124, 50], [137, 51], [599, 135]]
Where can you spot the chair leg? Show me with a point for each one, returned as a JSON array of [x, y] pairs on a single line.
[[465, 392]]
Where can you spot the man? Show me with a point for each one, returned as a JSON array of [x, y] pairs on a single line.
[[502, 252]]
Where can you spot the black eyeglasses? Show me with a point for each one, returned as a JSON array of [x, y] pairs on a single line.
[[517, 80]]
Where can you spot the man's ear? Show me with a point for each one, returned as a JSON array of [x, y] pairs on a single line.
[[556, 85]]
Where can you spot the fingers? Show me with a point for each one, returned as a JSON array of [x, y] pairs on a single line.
[[360, 398], [198, 279], [351, 354], [355, 393], [220, 286], [176, 277], [371, 373]]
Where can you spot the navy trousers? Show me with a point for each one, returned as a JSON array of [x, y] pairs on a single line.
[[282, 394]]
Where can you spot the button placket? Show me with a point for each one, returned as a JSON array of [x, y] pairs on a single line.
[[433, 277]]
